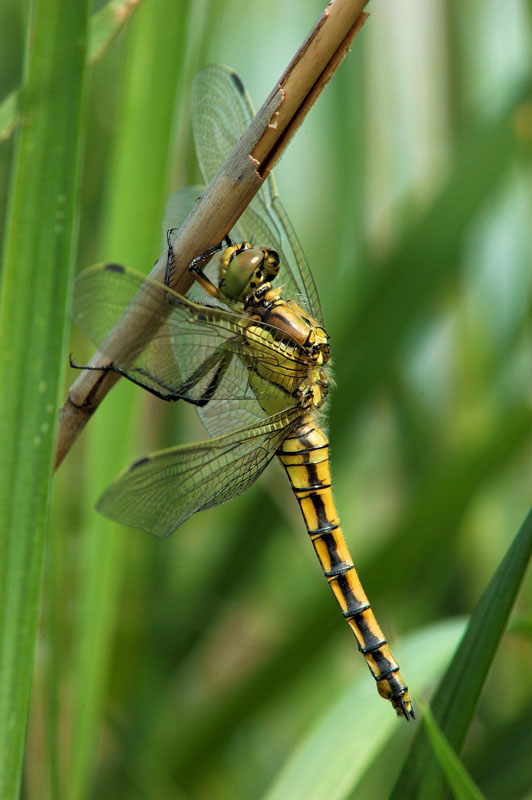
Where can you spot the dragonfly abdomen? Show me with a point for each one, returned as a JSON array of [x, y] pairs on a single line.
[[305, 456]]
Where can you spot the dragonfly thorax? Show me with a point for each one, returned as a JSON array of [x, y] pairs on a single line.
[[291, 320], [244, 268], [300, 339]]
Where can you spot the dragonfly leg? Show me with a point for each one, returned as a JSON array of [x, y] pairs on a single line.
[[224, 356], [220, 359], [129, 376], [194, 266], [170, 257]]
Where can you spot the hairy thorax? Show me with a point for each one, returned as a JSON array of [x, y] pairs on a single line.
[[302, 345]]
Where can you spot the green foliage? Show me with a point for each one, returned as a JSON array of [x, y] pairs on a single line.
[[40, 237], [462, 786], [215, 664], [104, 26]]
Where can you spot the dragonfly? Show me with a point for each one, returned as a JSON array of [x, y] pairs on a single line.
[[250, 355]]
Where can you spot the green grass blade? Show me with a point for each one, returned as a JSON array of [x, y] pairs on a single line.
[[458, 778], [334, 757], [105, 25], [456, 699], [41, 234]]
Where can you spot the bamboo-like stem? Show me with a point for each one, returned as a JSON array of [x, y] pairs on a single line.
[[226, 197]]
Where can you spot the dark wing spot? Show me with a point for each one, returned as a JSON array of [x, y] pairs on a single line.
[[114, 268], [139, 463], [238, 83]]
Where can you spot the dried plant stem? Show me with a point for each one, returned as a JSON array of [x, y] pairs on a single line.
[[224, 200]]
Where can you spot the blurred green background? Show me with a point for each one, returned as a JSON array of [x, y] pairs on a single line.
[[192, 667]]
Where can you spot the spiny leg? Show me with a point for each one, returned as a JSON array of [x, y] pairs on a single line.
[[221, 357], [214, 383], [195, 265]]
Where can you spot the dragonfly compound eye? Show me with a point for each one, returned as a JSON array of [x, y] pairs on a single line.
[[242, 271]]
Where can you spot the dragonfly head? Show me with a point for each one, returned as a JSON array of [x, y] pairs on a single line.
[[244, 268]]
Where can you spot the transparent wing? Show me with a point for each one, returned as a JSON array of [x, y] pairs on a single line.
[[159, 492], [197, 353], [221, 112], [178, 207]]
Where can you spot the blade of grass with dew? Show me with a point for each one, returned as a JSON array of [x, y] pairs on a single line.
[[333, 758], [457, 697], [136, 198], [462, 785], [41, 233], [105, 25]]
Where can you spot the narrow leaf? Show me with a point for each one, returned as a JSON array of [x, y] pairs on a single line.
[[457, 697], [38, 258], [461, 783]]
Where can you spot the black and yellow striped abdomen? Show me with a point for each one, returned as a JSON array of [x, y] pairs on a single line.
[[305, 457]]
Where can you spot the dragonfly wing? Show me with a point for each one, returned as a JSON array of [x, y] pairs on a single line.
[[196, 353], [293, 254], [221, 112], [268, 224], [178, 207], [159, 492]]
